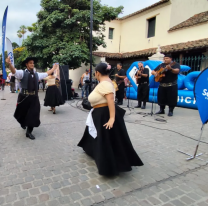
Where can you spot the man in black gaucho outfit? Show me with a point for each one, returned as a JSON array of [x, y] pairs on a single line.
[[27, 112], [168, 89], [142, 77]]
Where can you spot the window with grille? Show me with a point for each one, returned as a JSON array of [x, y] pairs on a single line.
[[110, 36], [151, 27]]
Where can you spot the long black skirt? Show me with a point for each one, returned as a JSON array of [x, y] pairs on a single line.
[[27, 112], [112, 149], [53, 97], [143, 93], [168, 95]]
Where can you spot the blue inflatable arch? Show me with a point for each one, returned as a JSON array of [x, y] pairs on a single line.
[[185, 84]]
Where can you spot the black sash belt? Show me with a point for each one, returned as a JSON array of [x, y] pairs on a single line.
[[168, 84], [25, 92], [143, 83]]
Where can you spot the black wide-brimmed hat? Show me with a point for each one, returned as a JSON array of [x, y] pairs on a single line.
[[29, 59], [168, 55]]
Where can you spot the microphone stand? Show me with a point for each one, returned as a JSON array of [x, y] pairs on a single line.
[[129, 94], [153, 101]]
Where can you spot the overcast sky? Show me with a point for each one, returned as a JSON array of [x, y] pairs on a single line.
[[23, 12]]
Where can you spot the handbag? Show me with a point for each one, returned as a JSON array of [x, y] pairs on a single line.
[[86, 104]]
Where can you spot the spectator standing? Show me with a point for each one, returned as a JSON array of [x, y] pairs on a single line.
[[12, 82], [85, 80]]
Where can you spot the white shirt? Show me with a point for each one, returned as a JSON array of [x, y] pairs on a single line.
[[10, 74], [86, 77], [20, 73]]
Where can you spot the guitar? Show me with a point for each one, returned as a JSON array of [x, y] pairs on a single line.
[[161, 73], [139, 76]]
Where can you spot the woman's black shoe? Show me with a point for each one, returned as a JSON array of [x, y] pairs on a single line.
[[170, 114], [138, 106], [30, 136], [160, 112]]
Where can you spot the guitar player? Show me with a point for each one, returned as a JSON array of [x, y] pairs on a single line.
[[142, 77], [168, 90]]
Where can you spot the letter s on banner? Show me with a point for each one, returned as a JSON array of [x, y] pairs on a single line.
[[204, 92], [200, 93]]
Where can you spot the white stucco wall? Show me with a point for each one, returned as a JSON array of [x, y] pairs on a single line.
[[112, 44], [133, 31], [76, 74], [182, 10]]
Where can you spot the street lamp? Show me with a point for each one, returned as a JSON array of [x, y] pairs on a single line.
[[91, 28]]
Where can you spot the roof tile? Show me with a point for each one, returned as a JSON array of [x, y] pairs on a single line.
[[194, 20], [145, 9], [185, 46]]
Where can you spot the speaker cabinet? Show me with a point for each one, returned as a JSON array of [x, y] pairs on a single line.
[[66, 89], [64, 72]]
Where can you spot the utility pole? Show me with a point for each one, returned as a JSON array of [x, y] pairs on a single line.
[[91, 28]]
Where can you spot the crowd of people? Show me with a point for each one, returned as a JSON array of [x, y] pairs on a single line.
[[105, 137], [15, 84]]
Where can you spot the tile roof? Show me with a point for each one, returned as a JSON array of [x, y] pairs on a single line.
[[194, 20], [145, 9], [185, 46]]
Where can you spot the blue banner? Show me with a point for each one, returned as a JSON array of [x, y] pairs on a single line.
[[3, 43], [201, 95]]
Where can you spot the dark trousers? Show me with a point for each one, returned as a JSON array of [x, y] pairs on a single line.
[[43, 85], [120, 92], [12, 85], [168, 96], [2, 86], [143, 93]]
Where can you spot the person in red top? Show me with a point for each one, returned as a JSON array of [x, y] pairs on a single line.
[[2, 82]]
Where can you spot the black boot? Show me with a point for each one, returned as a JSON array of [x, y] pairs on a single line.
[[162, 110], [29, 133], [144, 105], [139, 104], [170, 113]]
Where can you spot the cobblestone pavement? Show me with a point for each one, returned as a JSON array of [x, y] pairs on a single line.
[[53, 171]]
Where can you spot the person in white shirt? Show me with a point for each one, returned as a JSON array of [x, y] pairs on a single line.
[[85, 80], [27, 112], [12, 82]]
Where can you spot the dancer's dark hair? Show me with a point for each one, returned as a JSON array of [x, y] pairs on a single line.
[[103, 68]]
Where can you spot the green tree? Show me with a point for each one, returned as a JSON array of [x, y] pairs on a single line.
[[23, 30], [5, 56], [19, 35], [20, 54], [14, 45], [63, 31], [32, 28]]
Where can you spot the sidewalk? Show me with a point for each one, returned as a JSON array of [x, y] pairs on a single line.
[[53, 171]]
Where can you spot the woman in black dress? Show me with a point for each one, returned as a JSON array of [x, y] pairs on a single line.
[[53, 97], [106, 138]]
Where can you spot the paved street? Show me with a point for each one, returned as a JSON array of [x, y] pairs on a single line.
[[53, 171]]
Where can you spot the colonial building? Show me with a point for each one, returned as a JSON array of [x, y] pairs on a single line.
[[180, 27]]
